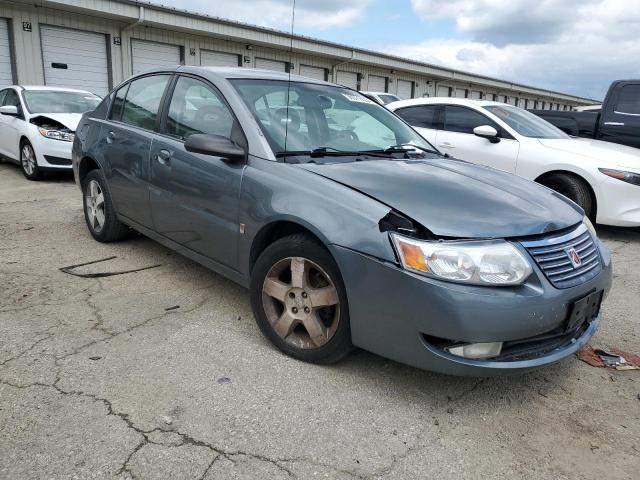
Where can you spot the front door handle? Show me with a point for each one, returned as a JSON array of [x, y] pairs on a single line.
[[111, 136], [614, 124], [446, 145], [163, 157]]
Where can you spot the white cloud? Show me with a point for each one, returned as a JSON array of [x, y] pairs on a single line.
[[278, 13], [571, 46]]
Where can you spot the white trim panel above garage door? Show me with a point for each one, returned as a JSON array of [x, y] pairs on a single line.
[[75, 59], [6, 66], [209, 58], [266, 64], [149, 55], [317, 73], [347, 79]]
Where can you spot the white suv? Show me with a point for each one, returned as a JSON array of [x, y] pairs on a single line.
[[37, 126]]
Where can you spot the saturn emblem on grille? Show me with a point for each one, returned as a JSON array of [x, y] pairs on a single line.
[[576, 261]]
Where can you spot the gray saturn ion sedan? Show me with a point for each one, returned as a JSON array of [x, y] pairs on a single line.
[[348, 228]]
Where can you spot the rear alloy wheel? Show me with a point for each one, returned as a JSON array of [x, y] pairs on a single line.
[[28, 161], [99, 213], [299, 301], [573, 188]]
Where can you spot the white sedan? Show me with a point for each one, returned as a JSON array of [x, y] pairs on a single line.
[[603, 178], [37, 126]]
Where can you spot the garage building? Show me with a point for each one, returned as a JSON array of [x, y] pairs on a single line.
[[99, 43]]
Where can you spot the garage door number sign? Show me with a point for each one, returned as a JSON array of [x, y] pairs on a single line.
[[26, 26]]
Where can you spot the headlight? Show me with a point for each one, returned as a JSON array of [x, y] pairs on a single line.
[[628, 177], [492, 262], [57, 135]]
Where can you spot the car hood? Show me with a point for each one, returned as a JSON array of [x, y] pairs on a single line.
[[610, 153], [69, 120], [452, 198]]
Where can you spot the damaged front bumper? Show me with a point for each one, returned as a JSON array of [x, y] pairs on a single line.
[[408, 317]]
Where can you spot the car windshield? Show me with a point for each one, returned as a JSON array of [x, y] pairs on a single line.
[[49, 101], [322, 117], [387, 98], [526, 123]]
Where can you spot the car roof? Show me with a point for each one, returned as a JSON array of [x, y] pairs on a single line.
[[48, 89], [227, 73], [442, 101]]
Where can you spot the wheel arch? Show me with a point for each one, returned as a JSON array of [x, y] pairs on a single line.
[[574, 174], [85, 165], [276, 230]]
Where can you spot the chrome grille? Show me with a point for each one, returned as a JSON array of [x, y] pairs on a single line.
[[551, 255]]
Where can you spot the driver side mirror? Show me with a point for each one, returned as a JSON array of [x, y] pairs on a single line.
[[10, 110], [216, 146], [488, 132]]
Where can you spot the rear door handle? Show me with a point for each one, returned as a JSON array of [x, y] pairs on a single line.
[[163, 157], [111, 136], [614, 124]]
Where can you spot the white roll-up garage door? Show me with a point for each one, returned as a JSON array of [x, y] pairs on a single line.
[[266, 64], [405, 89], [313, 72], [461, 93], [348, 79], [443, 91], [377, 83], [6, 74], [75, 59], [476, 95], [218, 59], [149, 55]]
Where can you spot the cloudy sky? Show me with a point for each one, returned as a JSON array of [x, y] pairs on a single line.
[[573, 46]]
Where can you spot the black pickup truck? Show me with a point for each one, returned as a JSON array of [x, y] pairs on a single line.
[[618, 120]]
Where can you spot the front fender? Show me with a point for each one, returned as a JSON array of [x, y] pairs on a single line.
[[337, 215]]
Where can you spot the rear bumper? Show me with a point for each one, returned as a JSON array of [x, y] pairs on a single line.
[[394, 313]]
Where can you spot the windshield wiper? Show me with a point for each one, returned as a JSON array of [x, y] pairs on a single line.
[[407, 147], [332, 152]]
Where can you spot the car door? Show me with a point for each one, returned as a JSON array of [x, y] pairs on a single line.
[[194, 197], [424, 118], [126, 142], [620, 122], [11, 127], [458, 140]]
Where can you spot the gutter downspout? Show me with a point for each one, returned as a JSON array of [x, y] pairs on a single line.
[[123, 57], [334, 68]]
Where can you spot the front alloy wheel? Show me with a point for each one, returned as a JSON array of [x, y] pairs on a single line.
[[299, 300], [28, 162], [301, 303]]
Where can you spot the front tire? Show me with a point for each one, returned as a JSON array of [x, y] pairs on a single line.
[[573, 188], [299, 300], [99, 213], [28, 161]]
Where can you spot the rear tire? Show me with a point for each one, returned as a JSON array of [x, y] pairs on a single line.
[[572, 187], [299, 300], [28, 161], [101, 218]]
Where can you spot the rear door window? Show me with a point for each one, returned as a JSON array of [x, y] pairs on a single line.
[[423, 116], [142, 101], [464, 120], [629, 100]]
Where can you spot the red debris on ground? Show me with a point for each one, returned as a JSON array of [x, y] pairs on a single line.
[[599, 358]]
